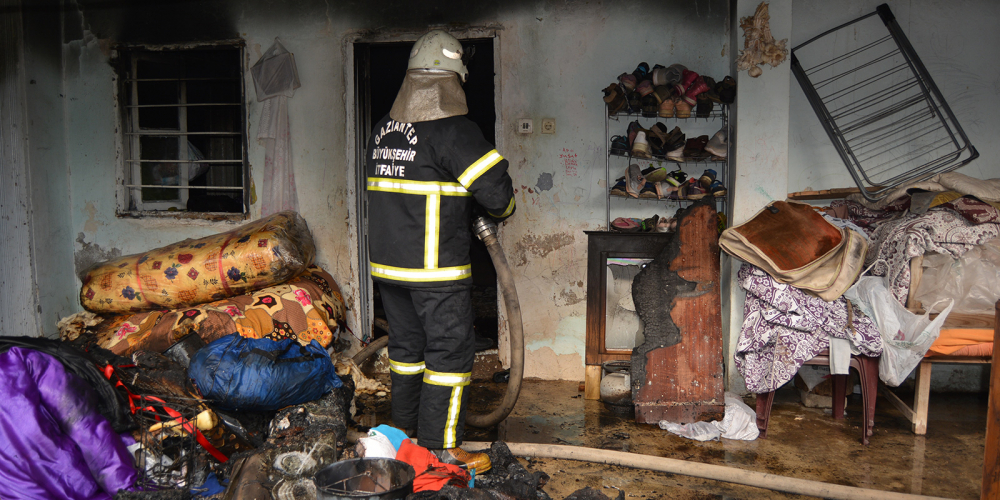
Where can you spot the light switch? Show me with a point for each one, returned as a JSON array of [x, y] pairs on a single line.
[[548, 125], [524, 126]]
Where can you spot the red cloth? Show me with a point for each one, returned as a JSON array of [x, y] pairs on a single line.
[[432, 473]]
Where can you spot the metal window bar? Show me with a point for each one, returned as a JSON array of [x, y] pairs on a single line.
[[218, 180], [885, 116]]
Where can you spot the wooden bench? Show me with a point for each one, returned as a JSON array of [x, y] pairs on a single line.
[[917, 413]]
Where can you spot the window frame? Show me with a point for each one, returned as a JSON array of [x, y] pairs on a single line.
[[129, 134]]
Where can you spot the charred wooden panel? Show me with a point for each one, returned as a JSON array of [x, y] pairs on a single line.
[[677, 373]]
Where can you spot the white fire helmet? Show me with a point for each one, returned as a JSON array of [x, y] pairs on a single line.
[[437, 49]]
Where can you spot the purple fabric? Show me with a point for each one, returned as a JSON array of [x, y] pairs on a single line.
[[53, 442], [783, 327], [939, 230]]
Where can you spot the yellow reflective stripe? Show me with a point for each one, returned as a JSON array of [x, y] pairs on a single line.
[[447, 379], [479, 167], [508, 211], [416, 187], [451, 424], [421, 275], [406, 368], [432, 221]]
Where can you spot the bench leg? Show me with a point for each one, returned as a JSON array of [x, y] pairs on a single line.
[[922, 398], [764, 401]]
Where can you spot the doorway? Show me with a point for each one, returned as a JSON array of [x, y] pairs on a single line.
[[379, 71]]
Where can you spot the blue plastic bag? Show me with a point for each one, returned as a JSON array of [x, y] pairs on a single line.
[[240, 373]]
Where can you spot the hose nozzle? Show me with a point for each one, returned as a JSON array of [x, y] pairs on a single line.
[[484, 227]]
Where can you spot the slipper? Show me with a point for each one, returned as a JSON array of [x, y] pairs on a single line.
[[626, 224], [655, 174]]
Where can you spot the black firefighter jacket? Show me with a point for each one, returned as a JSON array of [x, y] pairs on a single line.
[[422, 178]]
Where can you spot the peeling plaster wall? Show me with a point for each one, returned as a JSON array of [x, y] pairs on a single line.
[[958, 43], [554, 64], [555, 58]]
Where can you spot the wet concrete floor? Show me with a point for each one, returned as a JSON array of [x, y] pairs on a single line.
[[802, 442]]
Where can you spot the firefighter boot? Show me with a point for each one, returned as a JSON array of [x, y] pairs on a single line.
[[457, 456]]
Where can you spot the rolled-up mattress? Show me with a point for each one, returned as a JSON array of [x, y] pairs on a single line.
[[191, 272]]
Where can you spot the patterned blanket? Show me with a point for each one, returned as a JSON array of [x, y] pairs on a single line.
[[951, 228], [308, 307], [783, 327]]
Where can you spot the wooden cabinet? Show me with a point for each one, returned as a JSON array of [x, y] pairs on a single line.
[[677, 370]]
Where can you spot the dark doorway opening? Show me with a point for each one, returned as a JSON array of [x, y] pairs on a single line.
[[380, 68]]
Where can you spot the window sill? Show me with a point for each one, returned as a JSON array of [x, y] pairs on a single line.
[[179, 215]]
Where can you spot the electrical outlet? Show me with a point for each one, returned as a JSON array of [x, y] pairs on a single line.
[[548, 125], [524, 126]]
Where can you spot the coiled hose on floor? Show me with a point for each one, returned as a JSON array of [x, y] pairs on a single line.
[[485, 229]]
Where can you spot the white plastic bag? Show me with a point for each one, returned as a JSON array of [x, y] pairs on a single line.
[[906, 336], [973, 279], [275, 73], [740, 422]]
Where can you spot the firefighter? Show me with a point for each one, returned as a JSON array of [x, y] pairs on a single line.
[[427, 164]]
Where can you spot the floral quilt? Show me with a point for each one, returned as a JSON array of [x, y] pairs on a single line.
[[308, 307]]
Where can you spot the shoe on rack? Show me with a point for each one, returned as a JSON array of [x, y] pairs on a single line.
[[662, 93], [644, 88], [614, 96], [633, 128], [704, 107], [655, 174], [666, 108], [659, 75], [480, 462], [682, 109], [675, 150], [726, 89], [677, 178], [717, 189], [640, 146], [641, 72], [664, 190], [619, 145], [660, 130], [691, 190], [673, 75], [650, 106], [710, 94], [697, 87], [649, 224], [626, 224], [648, 191], [634, 102], [687, 78], [619, 188], [627, 81], [695, 147], [634, 180], [707, 178], [718, 146]]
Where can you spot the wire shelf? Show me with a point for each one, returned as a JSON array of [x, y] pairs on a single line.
[[878, 104], [169, 457]]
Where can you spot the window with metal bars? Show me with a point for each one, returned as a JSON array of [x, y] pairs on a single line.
[[183, 130]]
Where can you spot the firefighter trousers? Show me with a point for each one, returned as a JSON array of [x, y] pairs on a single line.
[[431, 351]]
